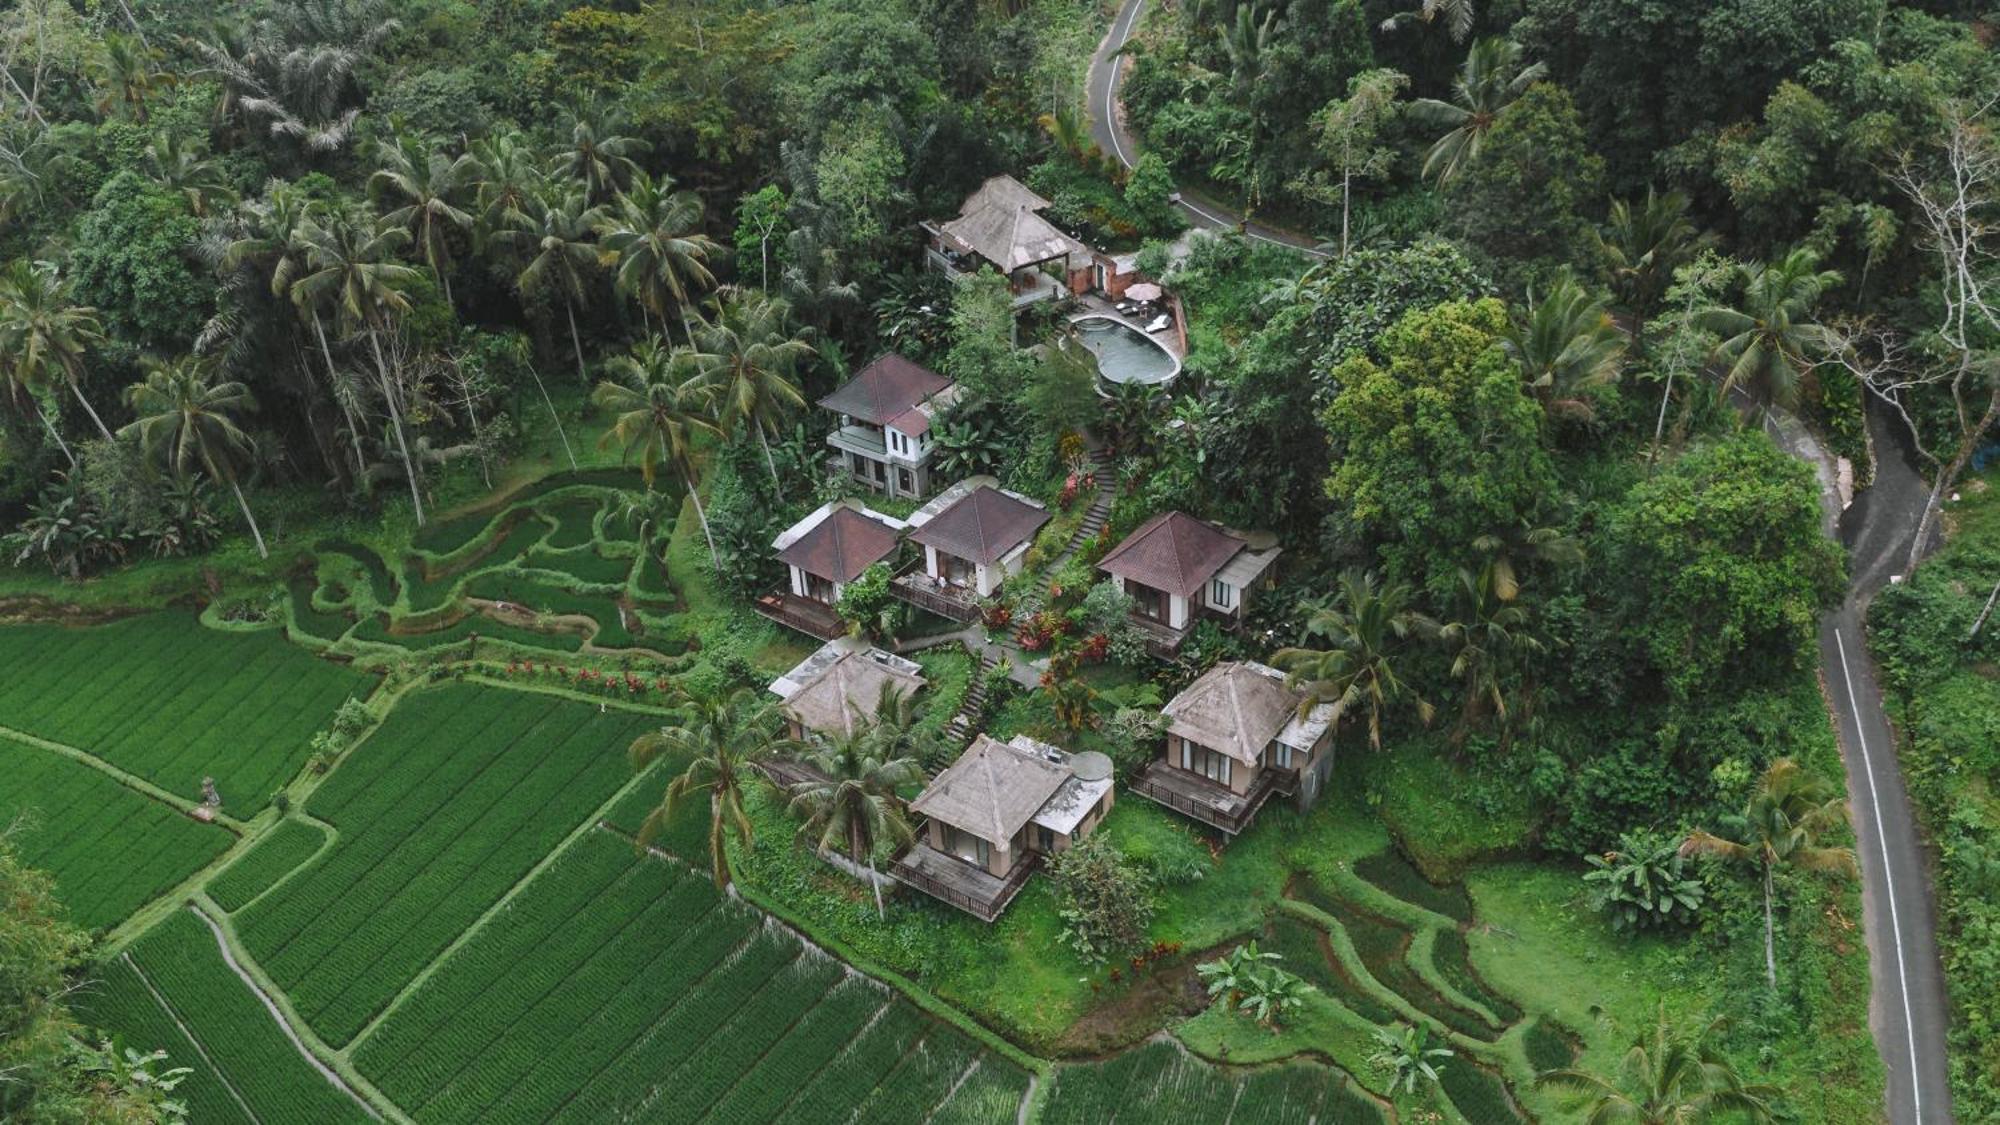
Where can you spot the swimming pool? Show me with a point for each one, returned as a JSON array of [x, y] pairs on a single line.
[[1125, 354]]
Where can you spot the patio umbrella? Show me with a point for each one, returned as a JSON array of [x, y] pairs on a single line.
[[1144, 291]]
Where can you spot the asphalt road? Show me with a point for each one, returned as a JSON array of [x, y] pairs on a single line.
[[1908, 1010]]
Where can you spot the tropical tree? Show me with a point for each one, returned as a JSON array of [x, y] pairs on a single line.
[[1642, 245], [661, 255], [511, 179], [561, 253], [853, 799], [1361, 667], [1405, 1051], [185, 418], [420, 189], [128, 76], [1507, 550], [1567, 346], [601, 162], [188, 174], [1782, 822], [660, 402], [1454, 15], [1769, 338], [43, 337], [1350, 135], [750, 354], [718, 743], [1228, 976], [350, 266], [1667, 1077], [1483, 637], [1494, 73]]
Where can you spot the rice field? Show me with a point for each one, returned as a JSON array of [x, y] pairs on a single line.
[[443, 809], [283, 851], [173, 702], [111, 849], [172, 990], [622, 987], [1162, 1082]]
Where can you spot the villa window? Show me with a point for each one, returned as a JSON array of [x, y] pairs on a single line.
[[1206, 762], [906, 482], [1279, 755], [1221, 595]]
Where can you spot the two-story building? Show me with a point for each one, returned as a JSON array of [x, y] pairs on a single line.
[[822, 553], [884, 436], [994, 813], [975, 536], [1236, 737], [1178, 569]]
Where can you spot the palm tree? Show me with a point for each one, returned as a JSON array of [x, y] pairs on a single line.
[[1455, 15], [188, 174], [1667, 1077], [350, 266], [185, 418], [655, 235], [1567, 346], [749, 354], [717, 743], [511, 179], [601, 164], [1364, 630], [660, 403], [422, 185], [1781, 823], [1406, 1053], [1493, 75], [43, 337], [1641, 246], [1485, 634], [126, 76], [1768, 338], [853, 800], [1503, 550], [562, 256]]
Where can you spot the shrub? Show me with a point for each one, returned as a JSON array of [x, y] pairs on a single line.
[[1106, 900], [1645, 884]]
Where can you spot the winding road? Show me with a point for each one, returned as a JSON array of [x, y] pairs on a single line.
[[1908, 1012]]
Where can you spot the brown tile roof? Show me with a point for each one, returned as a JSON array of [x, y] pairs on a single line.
[[884, 390], [1235, 708], [982, 526], [847, 693], [992, 790], [841, 546], [1174, 552]]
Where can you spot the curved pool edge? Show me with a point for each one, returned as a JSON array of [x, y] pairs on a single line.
[[1173, 361]]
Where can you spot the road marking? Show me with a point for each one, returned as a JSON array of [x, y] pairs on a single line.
[[1888, 877]]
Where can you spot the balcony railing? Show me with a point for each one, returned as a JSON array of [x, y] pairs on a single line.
[[1209, 802], [813, 618], [916, 587], [957, 883]]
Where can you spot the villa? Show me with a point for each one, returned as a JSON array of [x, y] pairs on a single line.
[[1178, 569], [883, 439], [994, 813], [824, 552], [834, 693], [1236, 737], [975, 536], [1001, 225]]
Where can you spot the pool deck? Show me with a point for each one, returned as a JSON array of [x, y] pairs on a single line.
[[1094, 304]]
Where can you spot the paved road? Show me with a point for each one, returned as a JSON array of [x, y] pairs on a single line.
[[1107, 129], [1908, 1010]]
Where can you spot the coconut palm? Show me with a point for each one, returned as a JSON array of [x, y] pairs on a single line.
[[1567, 346], [660, 403], [350, 267], [750, 354], [419, 189], [1768, 338], [510, 180], [1667, 1077], [717, 743], [185, 419], [127, 77], [1781, 824], [43, 337], [188, 174], [1485, 634], [1505, 550], [559, 244], [1454, 15], [660, 253], [1642, 245], [1493, 75], [1407, 1054], [1364, 629], [853, 801], [602, 162]]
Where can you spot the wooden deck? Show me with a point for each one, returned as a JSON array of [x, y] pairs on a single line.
[[1162, 641], [953, 881], [787, 772], [951, 602], [814, 619], [1213, 804]]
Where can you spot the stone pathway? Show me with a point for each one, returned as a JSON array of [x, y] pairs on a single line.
[[1100, 508]]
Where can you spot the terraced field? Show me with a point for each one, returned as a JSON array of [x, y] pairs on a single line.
[[110, 848], [173, 990], [617, 987], [442, 810], [164, 698], [1162, 1082]]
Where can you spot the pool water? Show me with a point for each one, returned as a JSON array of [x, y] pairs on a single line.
[[1125, 354]]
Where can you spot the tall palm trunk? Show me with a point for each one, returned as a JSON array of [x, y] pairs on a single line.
[[1770, 949], [333, 388], [701, 513], [553, 417], [575, 341], [396, 423], [867, 855], [769, 463], [77, 390], [255, 533]]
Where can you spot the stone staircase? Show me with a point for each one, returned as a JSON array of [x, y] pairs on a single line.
[[965, 724], [1100, 508]]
